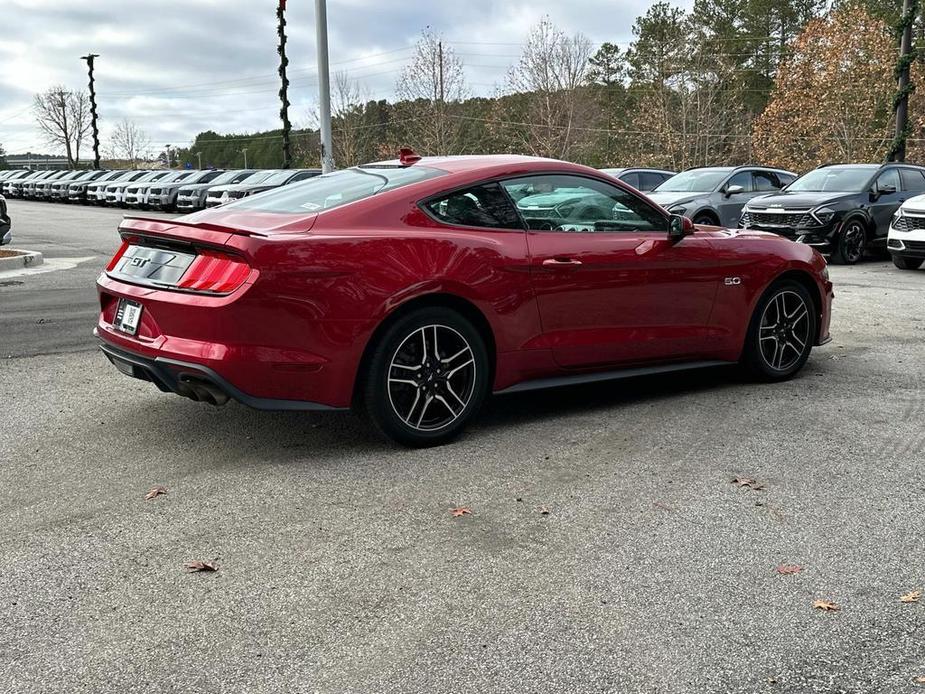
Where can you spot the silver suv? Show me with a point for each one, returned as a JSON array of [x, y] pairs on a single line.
[[716, 194]]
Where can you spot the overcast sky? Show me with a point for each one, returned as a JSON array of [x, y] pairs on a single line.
[[179, 67]]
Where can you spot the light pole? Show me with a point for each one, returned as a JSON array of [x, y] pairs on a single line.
[[324, 84], [244, 152], [167, 151], [199, 157], [96, 133]]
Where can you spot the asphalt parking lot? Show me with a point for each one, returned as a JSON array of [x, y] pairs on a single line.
[[341, 568]]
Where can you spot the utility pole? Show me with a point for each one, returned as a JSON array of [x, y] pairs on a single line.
[[907, 54], [96, 133], [284, 85], [324, 84], [244, 152]]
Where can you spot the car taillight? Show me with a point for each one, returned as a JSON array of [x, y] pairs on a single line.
[[214, 272], [117, 256]]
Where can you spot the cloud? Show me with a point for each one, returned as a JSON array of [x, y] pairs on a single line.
[[177, 67]]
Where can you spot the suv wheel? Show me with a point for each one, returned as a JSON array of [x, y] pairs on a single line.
[[906, 263], [705, 219], [780, 335], [851, 243], [427, 377]]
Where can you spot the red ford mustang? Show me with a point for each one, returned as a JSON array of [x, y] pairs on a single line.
[[414, 288]]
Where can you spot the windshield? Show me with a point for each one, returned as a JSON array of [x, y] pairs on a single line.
[[336, 189], [694, 181], [278, 178], [176, 176], [257, 177], [230, 177], [840, 179]]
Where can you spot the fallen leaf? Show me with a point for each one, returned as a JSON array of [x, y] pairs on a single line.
[[461, 511], [920, 679], [196, 566], [544, 511], [155, 491], [788, 569], [748, 482], [911, 596], [825, 605]]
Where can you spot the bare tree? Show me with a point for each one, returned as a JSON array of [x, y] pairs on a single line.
[[433, 84], [129, 142], [352, 134], [551, 72], [63, 117]]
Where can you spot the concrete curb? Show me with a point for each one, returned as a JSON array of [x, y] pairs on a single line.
[[25, 259]]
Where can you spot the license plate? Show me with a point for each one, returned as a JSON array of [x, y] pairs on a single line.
[[128, 315]]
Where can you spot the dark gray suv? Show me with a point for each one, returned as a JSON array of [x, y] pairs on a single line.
[[717, 194]]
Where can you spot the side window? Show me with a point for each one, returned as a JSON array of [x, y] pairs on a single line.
[[575, 203], [888, 178], [631, 179], [913, 180], [764, 180], [480, 206], [649, 181], [744, 179]]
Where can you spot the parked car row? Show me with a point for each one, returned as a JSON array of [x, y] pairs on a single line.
[[843, 210], [163, 189]]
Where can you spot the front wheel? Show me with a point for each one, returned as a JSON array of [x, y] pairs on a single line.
[[781, 333], [850, 243], [427, 377], [704, 219], [906, 263]]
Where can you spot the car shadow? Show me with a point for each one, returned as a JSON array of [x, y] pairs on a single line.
[[237, 435]]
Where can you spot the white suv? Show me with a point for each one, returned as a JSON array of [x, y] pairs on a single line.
[[906, 238]]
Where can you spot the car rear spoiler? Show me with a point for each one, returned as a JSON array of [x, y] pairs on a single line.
[[240, 224]]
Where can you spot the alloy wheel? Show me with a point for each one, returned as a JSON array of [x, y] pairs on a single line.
[[784, 331], [852, 241], [431, 377]]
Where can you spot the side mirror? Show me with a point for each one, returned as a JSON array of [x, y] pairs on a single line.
[[733, 190], [679, 227], [877, 191]]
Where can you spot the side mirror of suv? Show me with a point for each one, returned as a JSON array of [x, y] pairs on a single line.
[[679, 227], [733, 190]]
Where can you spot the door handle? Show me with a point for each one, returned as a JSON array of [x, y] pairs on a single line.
[[561, 262]]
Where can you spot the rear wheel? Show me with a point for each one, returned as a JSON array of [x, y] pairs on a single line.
[[427, 377], [850, 243], [905, 263], [781, 333]]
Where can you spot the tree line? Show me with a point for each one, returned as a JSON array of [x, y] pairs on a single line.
[[792, 83]]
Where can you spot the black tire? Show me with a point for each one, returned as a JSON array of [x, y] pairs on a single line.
[[906, 263], [410, 396], [850, 243], [772, 351], [706, 219]]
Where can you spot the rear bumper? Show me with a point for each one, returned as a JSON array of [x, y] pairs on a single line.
[[194, 381], [268, 348]]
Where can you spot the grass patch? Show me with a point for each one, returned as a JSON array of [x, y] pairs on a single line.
[[9, 254]]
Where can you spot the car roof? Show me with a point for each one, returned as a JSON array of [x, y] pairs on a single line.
[[465, 162]]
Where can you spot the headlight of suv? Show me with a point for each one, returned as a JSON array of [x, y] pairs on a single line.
[[823, 215], [678, 209], [896, 216]]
